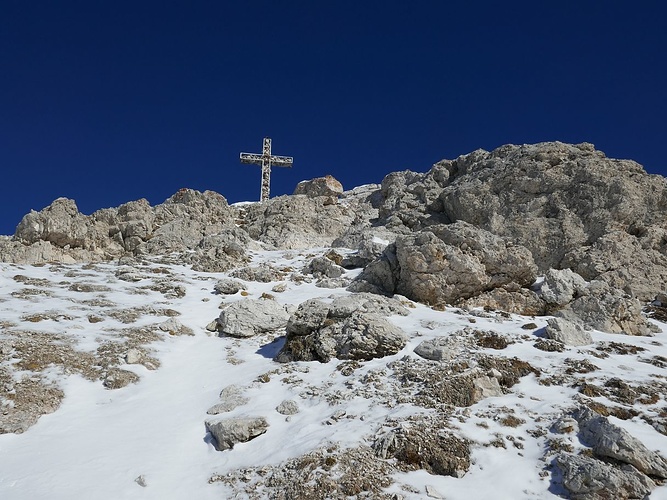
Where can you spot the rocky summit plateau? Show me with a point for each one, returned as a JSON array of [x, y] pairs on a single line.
[[491, 328]]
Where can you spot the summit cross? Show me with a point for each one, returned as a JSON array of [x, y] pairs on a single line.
[[266, 159]]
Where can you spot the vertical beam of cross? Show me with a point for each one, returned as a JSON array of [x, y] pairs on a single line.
[[266, 159]]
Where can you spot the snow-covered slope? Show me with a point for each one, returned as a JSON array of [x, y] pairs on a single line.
[[71, 333]]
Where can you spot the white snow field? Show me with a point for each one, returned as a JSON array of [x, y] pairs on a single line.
[[147, 440]]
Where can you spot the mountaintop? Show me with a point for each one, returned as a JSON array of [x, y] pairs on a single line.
[[493, 327]]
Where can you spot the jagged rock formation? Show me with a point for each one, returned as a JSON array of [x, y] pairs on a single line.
[[420, 364], [568, 204], [472, 232]]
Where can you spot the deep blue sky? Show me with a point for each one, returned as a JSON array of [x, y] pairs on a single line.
[[110, 101]]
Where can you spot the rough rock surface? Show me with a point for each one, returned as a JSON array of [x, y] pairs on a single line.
[[567, 333], [446, 263], [610, 441], [298, 221], [560, 287], [587, 478], [568, 204], [321, 186], [607, 309], [231, 431], [252, 316], [351, 327]]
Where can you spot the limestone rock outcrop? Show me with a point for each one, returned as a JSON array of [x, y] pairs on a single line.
[[326, 186], [352, 327], [570, 205], [446, 263], [250, 317]]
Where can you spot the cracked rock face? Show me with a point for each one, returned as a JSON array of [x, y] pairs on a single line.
[[569, 205], [232, 431]]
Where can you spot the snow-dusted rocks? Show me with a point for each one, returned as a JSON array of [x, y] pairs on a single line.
[[231, 397], [586, 478], [567, 333], [252, 316], [231, 431], [227, 286], [348, 328], [446, 263], [610, 441], [560, 287]]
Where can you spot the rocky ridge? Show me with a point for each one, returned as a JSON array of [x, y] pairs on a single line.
[[552, 237]]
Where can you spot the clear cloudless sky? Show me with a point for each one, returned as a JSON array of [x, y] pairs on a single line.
[[107, 101]]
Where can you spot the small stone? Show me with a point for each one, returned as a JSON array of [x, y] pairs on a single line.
[[141, 481], [431, 492], [133, 356], [287, 407]]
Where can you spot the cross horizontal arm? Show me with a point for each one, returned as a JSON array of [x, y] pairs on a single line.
[[282, 161], [251, 158]]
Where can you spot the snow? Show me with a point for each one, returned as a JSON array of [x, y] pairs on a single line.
[[100, 441]]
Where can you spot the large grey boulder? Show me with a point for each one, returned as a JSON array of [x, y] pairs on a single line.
[[607, 309], [560, 287], [587, 478], [609, 440], [567, 333], [231, 431], [446, 263], [352, 327], [60, 224], [250, 317]]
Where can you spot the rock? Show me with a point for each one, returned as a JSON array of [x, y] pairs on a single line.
[[368, 248], [560, 287], [322, 186], [288, 407], [444, 348], [227, 286], [141, 481], [231, 397], [250, 317], [231, 431], [609, 440], [360, 336], [486, 387], [448, 263], [133, 357], [351, 327], [607, 309], [117, 378], [220, 252], [415, 445], [587, 478], [566, 332], [323, 267], [60, 224], [568, 204], [516, 301], [174, 327], [432, 492], [298, 221], [262, 274], [308, 317]]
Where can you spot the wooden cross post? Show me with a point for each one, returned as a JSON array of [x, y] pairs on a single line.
[[266, 160]]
